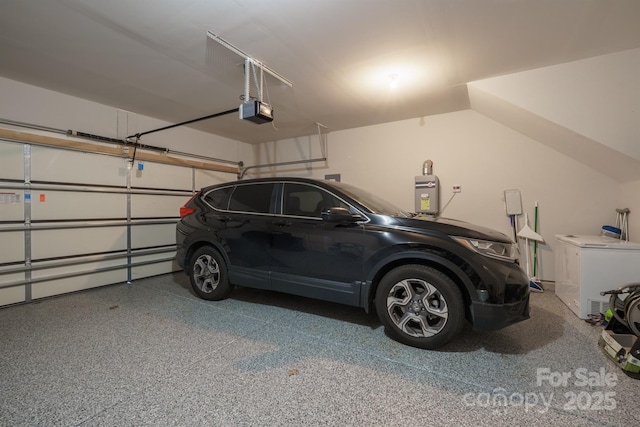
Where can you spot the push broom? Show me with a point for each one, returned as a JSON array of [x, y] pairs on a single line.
[[528, 234]]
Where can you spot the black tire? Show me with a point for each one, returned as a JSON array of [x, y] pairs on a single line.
[[420, 306], [208, 274]]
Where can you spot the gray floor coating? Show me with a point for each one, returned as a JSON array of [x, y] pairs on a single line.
[[151, 353]]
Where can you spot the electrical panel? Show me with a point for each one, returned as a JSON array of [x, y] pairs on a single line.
[[513, 202], [427, 194]]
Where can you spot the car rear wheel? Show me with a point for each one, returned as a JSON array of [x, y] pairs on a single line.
[[208, 274], [420, 306]]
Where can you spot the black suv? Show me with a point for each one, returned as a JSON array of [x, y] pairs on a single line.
[[332, 241]]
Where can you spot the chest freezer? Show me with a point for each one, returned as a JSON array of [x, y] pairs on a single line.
[[587, 265]]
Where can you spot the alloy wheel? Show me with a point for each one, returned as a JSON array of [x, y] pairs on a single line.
[[417, 308], [206, 273]]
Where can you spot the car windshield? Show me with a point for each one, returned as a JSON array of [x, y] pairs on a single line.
[[372, 202]]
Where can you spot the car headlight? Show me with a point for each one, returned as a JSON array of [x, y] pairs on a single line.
[[499, 250]]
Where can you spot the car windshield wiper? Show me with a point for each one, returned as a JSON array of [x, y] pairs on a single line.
[[403, 214]]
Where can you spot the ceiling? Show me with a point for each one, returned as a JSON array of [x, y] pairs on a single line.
[[153, 57]]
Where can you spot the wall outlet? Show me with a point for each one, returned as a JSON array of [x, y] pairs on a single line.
[[457, 189]]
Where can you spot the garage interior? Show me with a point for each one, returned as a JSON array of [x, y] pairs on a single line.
[[100, 327]]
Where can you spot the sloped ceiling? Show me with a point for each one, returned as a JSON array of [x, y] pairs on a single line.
[[153, 57], [587, 109]]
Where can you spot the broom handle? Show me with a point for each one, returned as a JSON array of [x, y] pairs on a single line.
[[535, 242]]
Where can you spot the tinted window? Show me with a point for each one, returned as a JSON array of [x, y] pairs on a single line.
[[251, 198], [307, 200], [371, 201], [219, 198]]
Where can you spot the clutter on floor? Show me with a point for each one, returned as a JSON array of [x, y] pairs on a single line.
[[619, 340]]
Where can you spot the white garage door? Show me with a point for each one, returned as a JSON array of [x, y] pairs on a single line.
[[72, 220]]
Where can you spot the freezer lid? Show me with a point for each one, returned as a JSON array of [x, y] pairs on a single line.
[[586, 241]]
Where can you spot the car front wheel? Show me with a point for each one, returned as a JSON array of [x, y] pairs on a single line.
[[208, 274], [420, 306]]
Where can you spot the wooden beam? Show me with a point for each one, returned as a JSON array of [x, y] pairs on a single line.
[[161, 158], [125, 151], [58, 142]]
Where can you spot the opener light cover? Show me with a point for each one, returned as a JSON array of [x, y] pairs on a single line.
[[256, 112]]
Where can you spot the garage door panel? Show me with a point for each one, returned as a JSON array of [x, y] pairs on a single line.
[[160, 176], [156, 268], [79, 283], [75, 198], [77, 241], [64, 205], [154, 206], [11, 205], [11, 161], [85, 277], [55, 165], [6, 278], [12, 246], [12, 295], [145, 236]]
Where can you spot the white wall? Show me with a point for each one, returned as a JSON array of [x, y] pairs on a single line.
[[470, 150], [597, 97], [631, 200]]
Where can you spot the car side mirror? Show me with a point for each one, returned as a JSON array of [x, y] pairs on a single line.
[[339, 215]]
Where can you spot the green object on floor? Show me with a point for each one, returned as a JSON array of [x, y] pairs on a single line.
[[608, 315]]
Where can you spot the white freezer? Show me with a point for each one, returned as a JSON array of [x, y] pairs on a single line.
[[588, 265]]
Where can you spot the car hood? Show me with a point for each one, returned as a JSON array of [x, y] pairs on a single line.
[[454, 227]]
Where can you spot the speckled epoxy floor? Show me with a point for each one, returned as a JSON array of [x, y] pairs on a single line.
[[151, 353]]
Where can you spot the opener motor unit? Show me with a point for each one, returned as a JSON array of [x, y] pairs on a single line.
[[427, 194], [256, 112]]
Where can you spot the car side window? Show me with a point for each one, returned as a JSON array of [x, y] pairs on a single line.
[[251, 198], [219, 198], [308, 200]]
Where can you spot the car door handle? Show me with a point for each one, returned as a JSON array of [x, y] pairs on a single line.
[[221, 218], [282, 223]]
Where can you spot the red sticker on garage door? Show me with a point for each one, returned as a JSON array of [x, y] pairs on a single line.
[[42, 198]]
